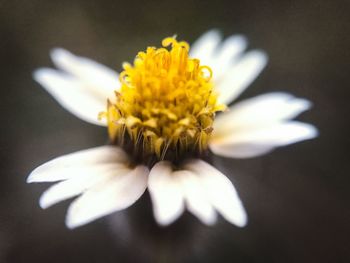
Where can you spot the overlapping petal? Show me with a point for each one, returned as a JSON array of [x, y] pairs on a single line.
[[66, 167], [260, 140], [103, 177], [220, 192], [233, 69], [114, 194], [241, 75], [259, 111], [258, 125], [85, 178], [98, 78], [166, 193], [82, 87], [200, 187], [196, 197]]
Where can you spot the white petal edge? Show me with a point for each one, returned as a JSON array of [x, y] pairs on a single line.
[[72, 95], [227, 55], [241, 75], [166, 193], [205, 46], [219, 56], [67, 166], [220, 191], [86, 178], [107, 197], [195, 197], [259, 111], [99, 79], [260, 140]]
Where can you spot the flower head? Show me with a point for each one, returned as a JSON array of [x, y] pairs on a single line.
[[163, 116], [166, 105]]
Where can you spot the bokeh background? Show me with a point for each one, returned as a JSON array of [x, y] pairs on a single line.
[[297, 197]]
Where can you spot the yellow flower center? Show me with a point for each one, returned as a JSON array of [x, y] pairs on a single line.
[[166, 104]]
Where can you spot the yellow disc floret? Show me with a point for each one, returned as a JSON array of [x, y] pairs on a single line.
[[166, 103]]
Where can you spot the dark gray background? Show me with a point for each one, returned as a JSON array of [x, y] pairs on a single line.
[[297, 197]]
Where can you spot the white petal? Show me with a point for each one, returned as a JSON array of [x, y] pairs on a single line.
[[259, 111], [220, 191], [166, 193], [259, 140], [99, 79], [204, 47], [241, 75], [72, 94], [107, 197], [69, 165], [85, 178], [245, 150], [227, 55], [196, 198]]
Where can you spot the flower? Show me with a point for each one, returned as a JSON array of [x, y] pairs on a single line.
[[162, 118]]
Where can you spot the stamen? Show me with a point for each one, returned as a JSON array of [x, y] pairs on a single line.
[[166, 105]]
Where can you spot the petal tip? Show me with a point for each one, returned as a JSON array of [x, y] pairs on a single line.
[[213, 32], [240, 37], [33, 177], [210, 221], [313, 132], [262, 55], [305, 104], [72, 221], [43, 202], [70, 224], [58, 53], [238, 218], [29, 179], [41, 73], [165, 221], [243, 221]]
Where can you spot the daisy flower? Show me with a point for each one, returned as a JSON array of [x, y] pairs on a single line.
[[165, 113]]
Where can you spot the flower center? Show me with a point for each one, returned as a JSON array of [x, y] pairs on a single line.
[[166, 105]]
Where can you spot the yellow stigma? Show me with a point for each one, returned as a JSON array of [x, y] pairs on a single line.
[[166, 103]]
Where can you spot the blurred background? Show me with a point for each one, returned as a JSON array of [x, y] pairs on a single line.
[[297, 197]]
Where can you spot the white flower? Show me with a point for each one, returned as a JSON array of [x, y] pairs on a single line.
[[108, 180]]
